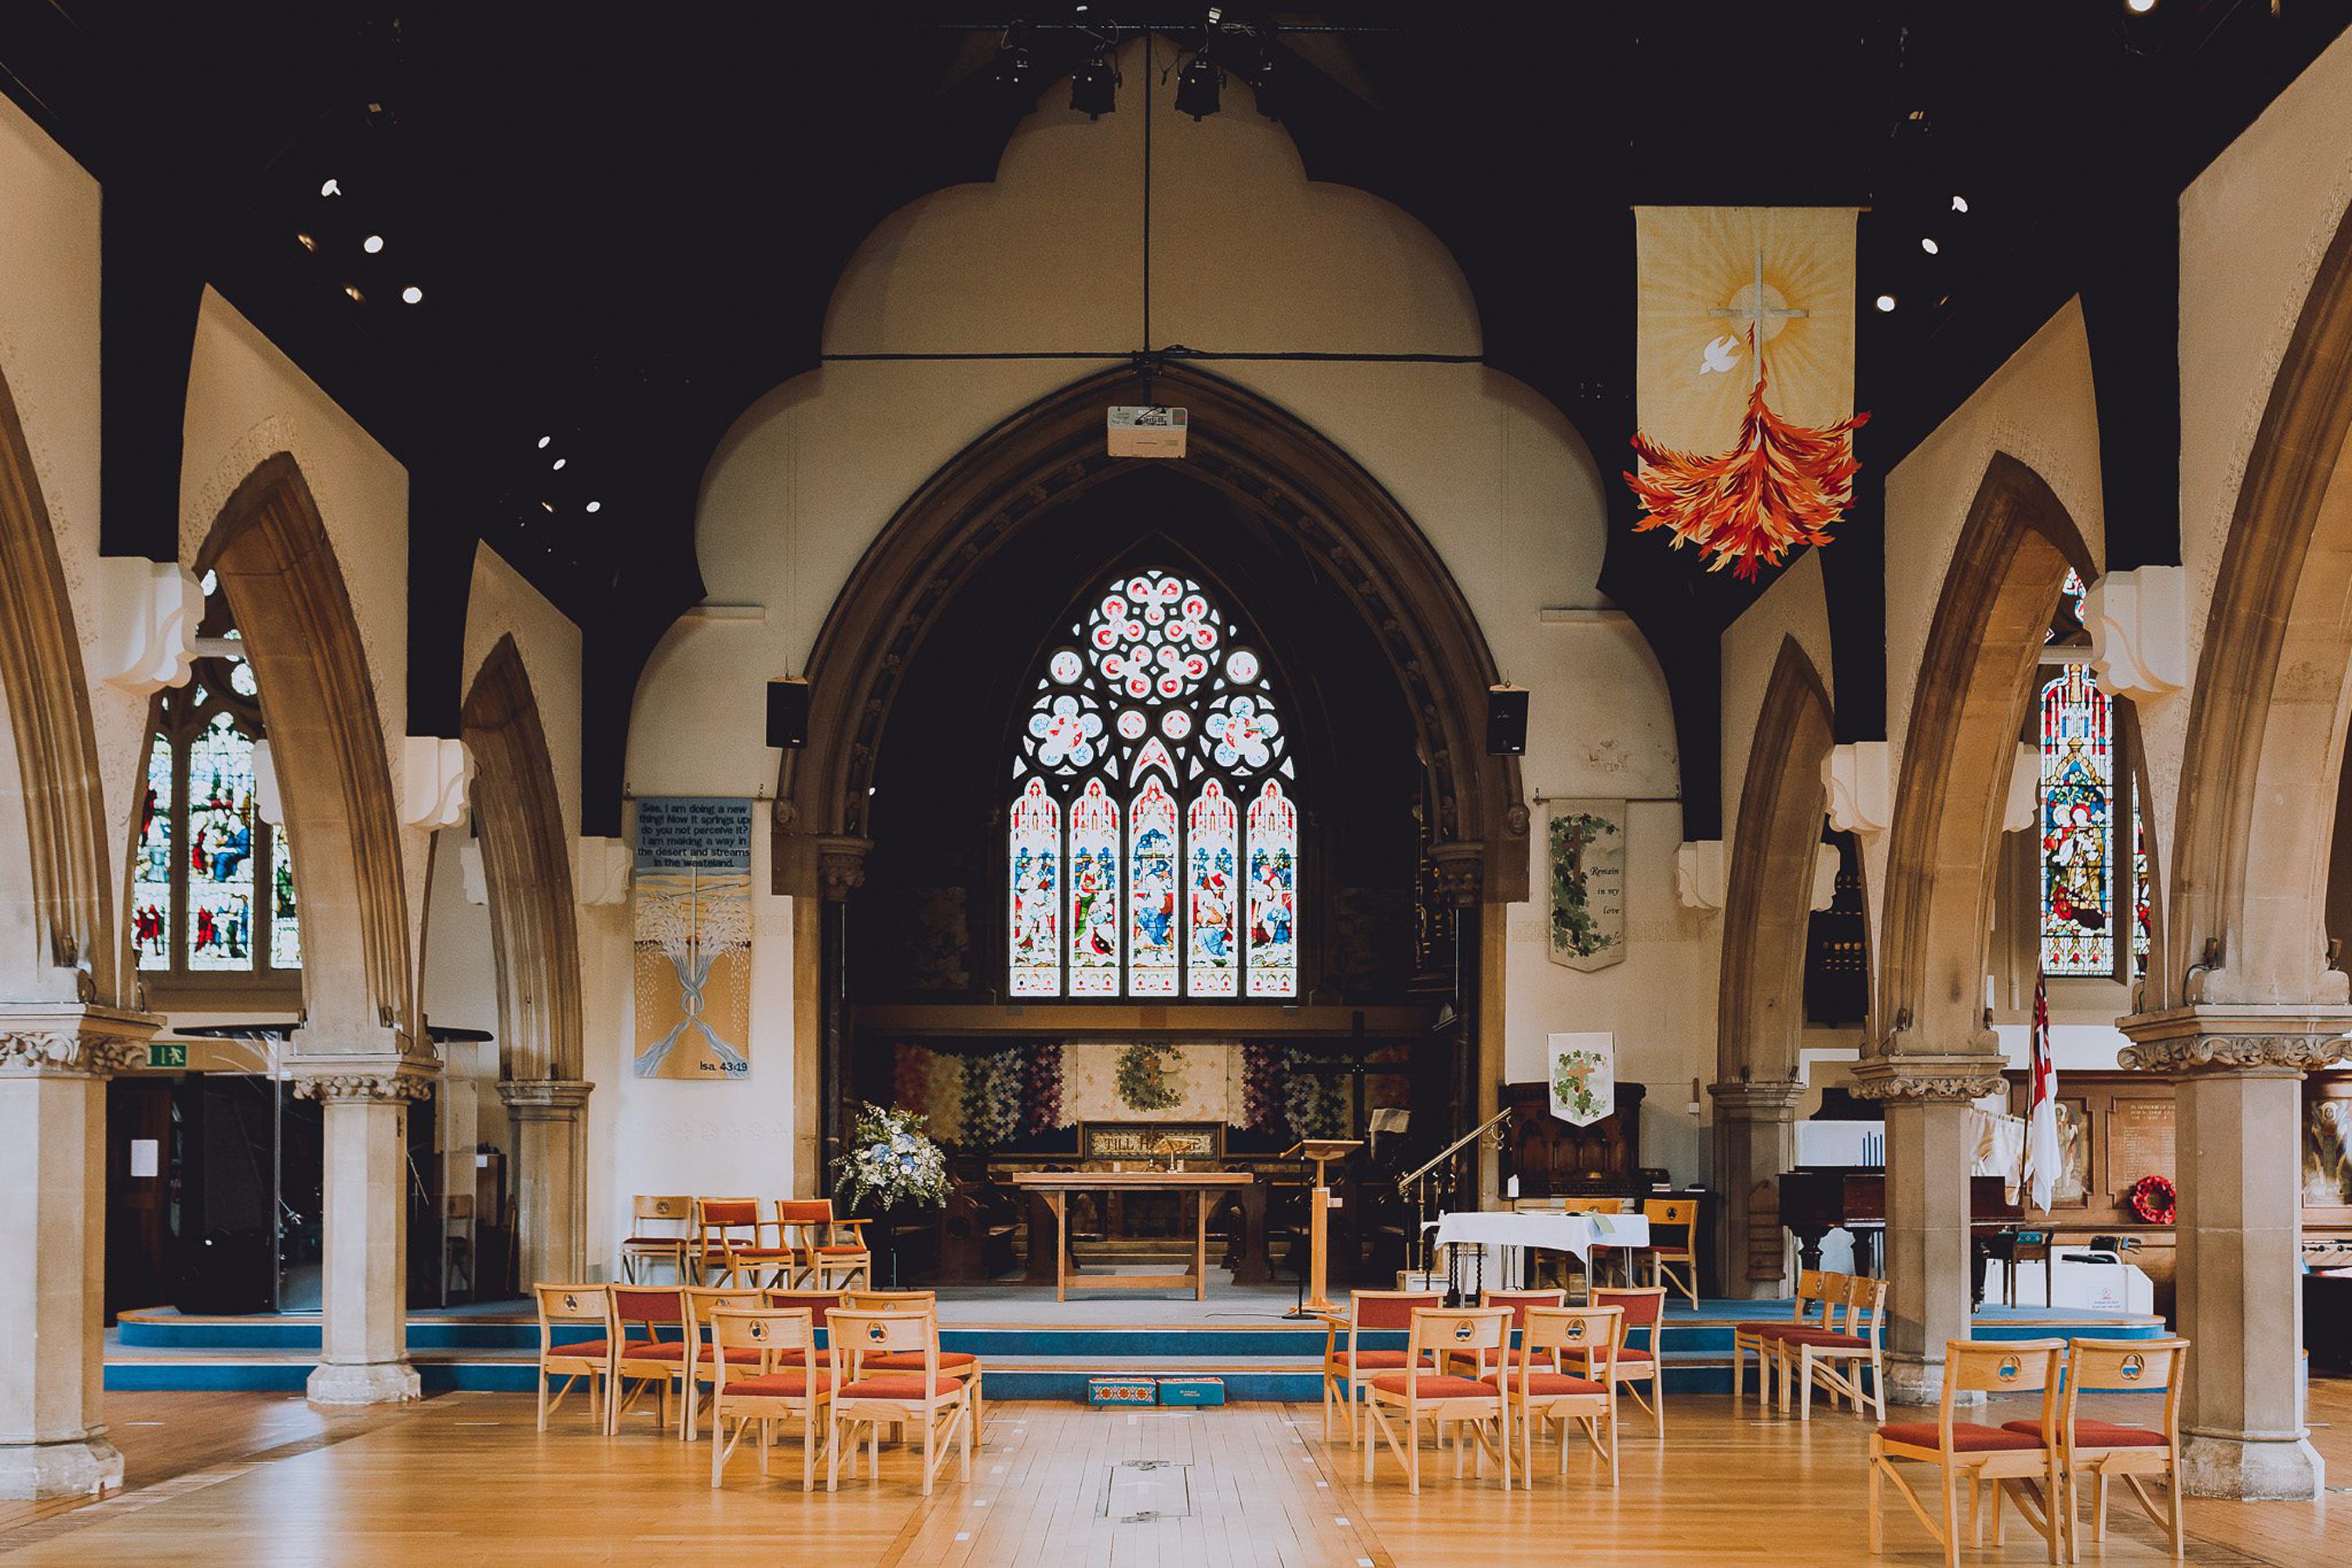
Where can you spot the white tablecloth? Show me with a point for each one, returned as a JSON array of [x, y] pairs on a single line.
[[1577, 1233]]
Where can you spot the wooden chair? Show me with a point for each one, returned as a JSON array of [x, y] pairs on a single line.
[[1815, 1289], [702, 1357], [962, 1365], [1517, 1303], [2005, 1458], [730, 1245], [1836, 1356], [1677, 1218], [820, 1255], [864, 1395], [780, 1383], [1346, 1373], [1420, 1393], [2105, 1448], [641, 1248], [656, 1358], [1540, 1391], [593, 1358], [2028, 1247], [1645, 1308]]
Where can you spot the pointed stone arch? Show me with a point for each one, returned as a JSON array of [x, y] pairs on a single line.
[[66, 865], [294, 613]]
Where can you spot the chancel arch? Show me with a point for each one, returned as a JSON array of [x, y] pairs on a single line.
[[1767, 921]]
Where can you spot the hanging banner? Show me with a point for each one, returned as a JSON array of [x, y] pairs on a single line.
[[1584, 1077], [1586, 841], [1744, 377], [693, 934]]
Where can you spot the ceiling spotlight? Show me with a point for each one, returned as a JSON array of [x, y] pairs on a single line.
[[353, 291], [1960, 204], [548, 506], [559, 464], [1930, 246], [2140, 7], [1093, 86], [331, 188], [543, 440], [595, 506], [1199, 87], [412, 295], [310, 242], [371, 244], [1886, 302]]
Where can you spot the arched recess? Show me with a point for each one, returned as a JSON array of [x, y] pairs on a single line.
[[294, 613], [1262, 458], [534, 928], [1768, 906], [66, 863], [1974, 687], [2266, 720]]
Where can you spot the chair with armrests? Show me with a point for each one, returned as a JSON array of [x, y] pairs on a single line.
[[592, 1357], [731, 1246], [1836, 1355], [828, 1253], [2101, 1449], [782, 1383], [1815, 1289], [654, 1348], [1347, 1369], [1420, 1393], [702, 1357], [1633, 1365], [866, 1396], [1541, 1391], [2007, 1459], [1673, 1245], [661, 1230]]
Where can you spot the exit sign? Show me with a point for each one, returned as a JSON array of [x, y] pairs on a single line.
[[167, 1054]]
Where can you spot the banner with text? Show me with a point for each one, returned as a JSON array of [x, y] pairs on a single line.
[[1587, 842], [693, 934]]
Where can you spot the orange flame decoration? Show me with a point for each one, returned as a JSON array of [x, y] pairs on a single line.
[[1780, 485]]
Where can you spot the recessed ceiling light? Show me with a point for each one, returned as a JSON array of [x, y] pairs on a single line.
[[1930, 246], [371, 244], [547, 506], [1886, 302], [353, 291], [331, 188], [595, 506], [310, 242], [412, 295], [559, 463], [1960, 204], [543, 440], [2140, 7]]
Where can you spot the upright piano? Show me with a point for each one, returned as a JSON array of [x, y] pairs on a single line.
[[1815, 1200]]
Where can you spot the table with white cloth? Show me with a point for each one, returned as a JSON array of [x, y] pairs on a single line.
[[1516, 1233]]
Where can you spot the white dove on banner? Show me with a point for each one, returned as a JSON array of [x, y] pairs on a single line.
[[1722, 354]]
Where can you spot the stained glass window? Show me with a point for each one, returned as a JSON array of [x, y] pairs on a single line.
[[212, 885], [2077, 826], [1154, 702], [2143, 927]]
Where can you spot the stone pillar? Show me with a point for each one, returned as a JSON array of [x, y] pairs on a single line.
[[55, 1058], [550, 1163], [363, 1308], [1929, 1151], [1755, 1142], [2237, 1093]]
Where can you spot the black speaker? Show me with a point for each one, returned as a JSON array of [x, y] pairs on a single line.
[[788, 714], [1507, 720]]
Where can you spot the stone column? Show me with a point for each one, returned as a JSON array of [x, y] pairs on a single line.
[[1929, 1151], [363, 1308], [2237, 1094], [1755, 1142], [550, 1163], [55, 1058]]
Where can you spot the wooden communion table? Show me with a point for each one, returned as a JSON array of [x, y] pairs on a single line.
[[1056, 1188]]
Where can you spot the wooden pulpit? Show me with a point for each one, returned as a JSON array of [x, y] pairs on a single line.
[[1321, 1152]]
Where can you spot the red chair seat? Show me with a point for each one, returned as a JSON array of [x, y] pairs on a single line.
[[1432, 1387], [1634, 1353], [783, 1385], [737, 1355], [1778, 1325], [912, 1361], [1821, 1337], [1968, 1436], [594, 1350], [2094, 1434], [895, 1386], [1548, 1384], [1376, 1360], [843, 1249], [778, 1252]]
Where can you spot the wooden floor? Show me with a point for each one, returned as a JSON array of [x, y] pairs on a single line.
[[463, 1480]]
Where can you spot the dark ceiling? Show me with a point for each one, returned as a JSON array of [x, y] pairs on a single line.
[[626, 222]]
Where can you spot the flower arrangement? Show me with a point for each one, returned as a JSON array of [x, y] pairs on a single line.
[[891, 1164], [2154, 1199]]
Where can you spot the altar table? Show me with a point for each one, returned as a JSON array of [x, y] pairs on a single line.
[[1056, 1188], [1576, 1233]]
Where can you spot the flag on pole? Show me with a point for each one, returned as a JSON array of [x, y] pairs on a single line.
[[2042, 1153]]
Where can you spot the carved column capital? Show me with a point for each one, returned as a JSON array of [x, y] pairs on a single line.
[[1758, 1099], [1458, 871], [2245, 1039], [545, 1099], [72, 1039], [841, 865], [1921, 1077], [363, 1079]]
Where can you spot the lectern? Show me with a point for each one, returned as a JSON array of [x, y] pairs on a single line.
[[1322, 1151]]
